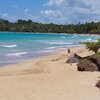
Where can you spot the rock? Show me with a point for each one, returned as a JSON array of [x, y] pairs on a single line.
[[96, 60], [98, 84], [86, 65]]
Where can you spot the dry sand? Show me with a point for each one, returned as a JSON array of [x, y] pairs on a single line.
[[48, 78]]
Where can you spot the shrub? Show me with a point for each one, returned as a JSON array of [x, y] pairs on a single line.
[[94, 46]]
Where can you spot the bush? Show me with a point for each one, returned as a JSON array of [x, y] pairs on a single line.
[[94, 46]]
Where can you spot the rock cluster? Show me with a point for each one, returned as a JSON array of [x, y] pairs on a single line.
[[91, 63], [86, 65]]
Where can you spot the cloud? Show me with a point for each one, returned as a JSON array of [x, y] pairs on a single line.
[[7, 16], [54, 2], [56, 11], [34, 18], [4, 15], [26, 10], [72, 11], [14, 6], [52, 13]]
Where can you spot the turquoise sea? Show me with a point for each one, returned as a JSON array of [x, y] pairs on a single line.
[[16, 47]]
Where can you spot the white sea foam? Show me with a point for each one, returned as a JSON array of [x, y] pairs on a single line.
[[89, 40], [92, 40], [50, 48], [16, 54], [63, 37], [54, 48], [74, 35], [58, 43], [46, 51], [9, 46]]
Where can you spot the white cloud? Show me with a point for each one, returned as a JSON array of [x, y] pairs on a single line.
[[14, 6], [72, 11], [34, 18], [54, 2], [7, 16], [26, 10], [60, 11], [4, 15], [52, 13]]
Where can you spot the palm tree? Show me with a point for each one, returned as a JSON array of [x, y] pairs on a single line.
[[94, 46]]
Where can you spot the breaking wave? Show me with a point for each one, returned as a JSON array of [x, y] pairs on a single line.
[[17, 54], [9, 46]]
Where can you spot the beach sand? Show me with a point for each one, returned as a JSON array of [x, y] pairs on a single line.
[[49, 78]]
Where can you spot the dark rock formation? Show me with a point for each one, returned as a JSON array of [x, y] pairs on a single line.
[[90, 63], [96, 60], [86, 65], [98, 84]]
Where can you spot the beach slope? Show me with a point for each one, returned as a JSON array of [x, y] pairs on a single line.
[[49, 78]]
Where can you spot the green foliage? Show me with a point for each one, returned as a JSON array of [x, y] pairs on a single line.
[[94, 46], [29, 26]]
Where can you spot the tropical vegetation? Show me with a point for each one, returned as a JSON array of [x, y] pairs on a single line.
[[94, 46], [29, 26]]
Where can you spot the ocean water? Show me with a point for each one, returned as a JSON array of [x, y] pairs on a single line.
[[16, 47]]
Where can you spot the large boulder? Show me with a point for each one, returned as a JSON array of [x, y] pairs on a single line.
[[96, 60], [86, 65], [98, 84]]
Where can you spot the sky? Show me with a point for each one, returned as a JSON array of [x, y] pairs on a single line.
[[51, 11]]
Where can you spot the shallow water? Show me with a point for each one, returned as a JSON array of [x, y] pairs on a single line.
[[15, 47]]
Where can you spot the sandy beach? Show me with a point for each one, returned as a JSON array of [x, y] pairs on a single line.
[[49, 78]]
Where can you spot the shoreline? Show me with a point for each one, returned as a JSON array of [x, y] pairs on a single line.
[[35, 58], [53, 33], [53, 56], [87, 34]]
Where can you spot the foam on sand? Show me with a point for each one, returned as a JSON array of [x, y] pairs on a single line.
[[16, 54]]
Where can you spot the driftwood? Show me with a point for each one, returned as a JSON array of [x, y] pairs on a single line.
[[74, 59]]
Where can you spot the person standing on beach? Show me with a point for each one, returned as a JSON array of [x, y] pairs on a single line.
[[69, 51], [70, 56]]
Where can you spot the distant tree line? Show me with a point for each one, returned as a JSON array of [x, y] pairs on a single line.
[[29, 26]]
